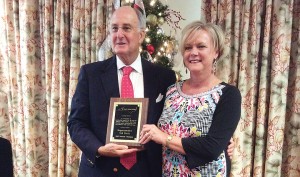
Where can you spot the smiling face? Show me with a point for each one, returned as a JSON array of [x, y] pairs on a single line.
[[125, 34], [199, 52]]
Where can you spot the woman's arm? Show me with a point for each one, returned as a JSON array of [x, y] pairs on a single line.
[[201, 150]]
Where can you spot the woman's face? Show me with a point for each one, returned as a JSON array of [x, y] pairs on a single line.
[[199, 52]]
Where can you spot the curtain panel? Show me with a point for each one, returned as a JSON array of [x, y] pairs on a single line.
[[263, 39], [43, 43]]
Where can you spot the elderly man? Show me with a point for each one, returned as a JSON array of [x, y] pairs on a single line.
[[98, 82]]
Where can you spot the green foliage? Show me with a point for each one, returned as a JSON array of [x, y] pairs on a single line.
[[157, 8], [155, 36]]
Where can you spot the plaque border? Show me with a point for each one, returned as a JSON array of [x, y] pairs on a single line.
[[142, 119]]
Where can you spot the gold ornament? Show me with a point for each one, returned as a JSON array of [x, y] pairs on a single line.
[[152, 19], [161, 20]]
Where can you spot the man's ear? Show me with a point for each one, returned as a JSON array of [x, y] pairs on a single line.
[[142, 36]]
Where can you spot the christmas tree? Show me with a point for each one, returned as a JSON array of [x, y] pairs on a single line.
[[157, 46]]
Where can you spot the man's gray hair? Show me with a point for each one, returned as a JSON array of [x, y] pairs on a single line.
[[142, 19]]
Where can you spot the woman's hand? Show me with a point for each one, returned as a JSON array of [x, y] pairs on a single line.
[[151, 132], [230, 148]]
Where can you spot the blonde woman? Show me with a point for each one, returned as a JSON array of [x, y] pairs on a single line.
[[200, 114]]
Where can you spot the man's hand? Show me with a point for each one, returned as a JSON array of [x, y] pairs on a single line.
[[115, 150], [230, 148]]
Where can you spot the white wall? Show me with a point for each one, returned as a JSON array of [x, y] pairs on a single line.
[[190, 10]]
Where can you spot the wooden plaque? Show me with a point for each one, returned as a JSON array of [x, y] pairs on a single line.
[[125, 121]]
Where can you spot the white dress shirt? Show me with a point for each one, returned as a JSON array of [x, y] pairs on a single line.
[[136, 76]]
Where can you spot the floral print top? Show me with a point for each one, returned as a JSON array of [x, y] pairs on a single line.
[[190, 116]]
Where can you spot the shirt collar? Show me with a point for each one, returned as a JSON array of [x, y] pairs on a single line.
[[136, 65]]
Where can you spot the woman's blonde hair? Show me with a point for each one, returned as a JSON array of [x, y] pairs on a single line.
[[215, 32]]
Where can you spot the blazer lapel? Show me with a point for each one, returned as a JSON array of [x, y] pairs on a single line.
[[109, 79], [150, 83], [151, 88]]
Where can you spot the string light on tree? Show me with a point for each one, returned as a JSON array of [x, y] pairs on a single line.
[[152, 3]]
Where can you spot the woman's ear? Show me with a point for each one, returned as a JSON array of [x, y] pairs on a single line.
[[216, 56]]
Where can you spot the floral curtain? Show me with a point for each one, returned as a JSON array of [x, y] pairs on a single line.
[[263, 39], [43, 43]]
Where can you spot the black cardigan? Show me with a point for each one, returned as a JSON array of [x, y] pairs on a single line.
[[201, 150]]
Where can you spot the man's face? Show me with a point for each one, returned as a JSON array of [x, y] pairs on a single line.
[[125, 34]]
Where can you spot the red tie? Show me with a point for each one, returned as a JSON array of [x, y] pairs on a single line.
[[126, 84], [127, 92]]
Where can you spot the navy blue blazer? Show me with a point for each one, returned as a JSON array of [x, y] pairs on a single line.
[[6, 161], [97, 83]]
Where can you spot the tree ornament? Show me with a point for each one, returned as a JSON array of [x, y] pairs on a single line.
[[152, 19], [139, 5], [161, 20], [148, 57], [150, 49], [160, 30]]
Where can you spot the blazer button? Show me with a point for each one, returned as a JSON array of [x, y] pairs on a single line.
[[115, 170]]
